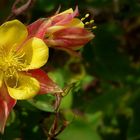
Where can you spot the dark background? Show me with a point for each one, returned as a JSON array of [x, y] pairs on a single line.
[[103, 87]]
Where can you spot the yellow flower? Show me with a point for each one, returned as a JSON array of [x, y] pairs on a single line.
[[21, 56], [18, 55]]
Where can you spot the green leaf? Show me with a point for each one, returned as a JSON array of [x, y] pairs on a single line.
[[43, 102], [79, 130]]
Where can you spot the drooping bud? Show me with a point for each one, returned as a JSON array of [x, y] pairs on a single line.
[[63, 31]]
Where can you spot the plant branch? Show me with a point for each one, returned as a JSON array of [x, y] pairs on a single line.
[[16, 11], [53, 129]]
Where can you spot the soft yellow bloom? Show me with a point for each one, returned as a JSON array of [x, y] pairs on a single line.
[[18, 54]]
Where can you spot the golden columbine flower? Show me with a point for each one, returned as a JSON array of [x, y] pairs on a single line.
[[18, 55], [20, 58], [63, 31]]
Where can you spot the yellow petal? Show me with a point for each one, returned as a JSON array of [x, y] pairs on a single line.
[[55, 28], [12, 33], [76, 23], [25, 88], [69, 11], [1, 78], [36, 53]]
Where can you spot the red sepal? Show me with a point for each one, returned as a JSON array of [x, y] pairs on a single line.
[[6, 105], [46, 84]]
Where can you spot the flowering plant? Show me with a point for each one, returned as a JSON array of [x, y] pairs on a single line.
[[21, 57], [24, 50]]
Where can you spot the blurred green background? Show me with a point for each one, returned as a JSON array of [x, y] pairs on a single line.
[[102, 99]]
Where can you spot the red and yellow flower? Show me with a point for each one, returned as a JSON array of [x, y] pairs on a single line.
[[23, 50], [62, 31], [21, 57]]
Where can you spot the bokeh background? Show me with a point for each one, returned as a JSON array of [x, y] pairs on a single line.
[[102, 100]]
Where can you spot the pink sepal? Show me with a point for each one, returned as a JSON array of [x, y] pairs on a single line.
[[34, 27], [6, 105], [70, 38]]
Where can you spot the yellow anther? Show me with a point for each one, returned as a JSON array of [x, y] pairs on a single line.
[[87, 15], [87, 23], [82, 19], [94, 27], [11, 62], [91, 21]]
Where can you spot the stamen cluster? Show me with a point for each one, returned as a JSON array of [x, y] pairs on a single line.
[[11, 61]]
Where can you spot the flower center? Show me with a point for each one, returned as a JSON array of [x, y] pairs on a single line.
[[11, 61]]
